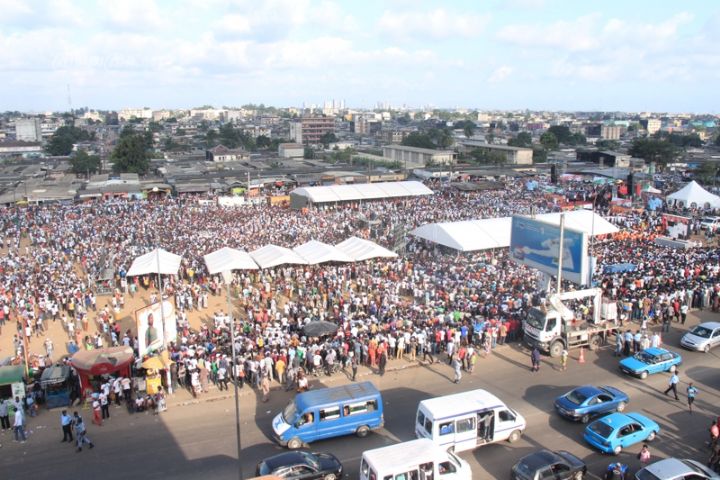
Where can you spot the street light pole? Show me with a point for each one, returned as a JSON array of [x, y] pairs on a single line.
[[227, 277]]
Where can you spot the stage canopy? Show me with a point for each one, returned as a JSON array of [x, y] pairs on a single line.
[[228, 259], [693, 195], [472, 235], [361, 191], [315, 252], [272, 255], [359, 249], [158, 261]]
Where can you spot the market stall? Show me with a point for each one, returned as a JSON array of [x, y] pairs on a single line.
[[157, 368], [12, 382], [56, 382], [92, 364]]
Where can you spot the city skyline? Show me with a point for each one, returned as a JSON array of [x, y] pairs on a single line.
[[495, 55]]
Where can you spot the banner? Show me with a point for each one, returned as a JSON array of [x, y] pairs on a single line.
[[537, 244], [153, 332]]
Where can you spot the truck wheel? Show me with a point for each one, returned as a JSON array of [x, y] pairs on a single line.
[[595, 342], [294, 443], [362, 431], [556, 349], [514, 436]]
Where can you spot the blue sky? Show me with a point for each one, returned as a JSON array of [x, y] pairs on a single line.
[[638, 55]]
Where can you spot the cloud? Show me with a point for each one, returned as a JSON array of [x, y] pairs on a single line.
[[438, 24], [500, 74], [133, 15]]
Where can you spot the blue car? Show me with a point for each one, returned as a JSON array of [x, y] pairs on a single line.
[[652, 360], [616, 431], [587, 401]]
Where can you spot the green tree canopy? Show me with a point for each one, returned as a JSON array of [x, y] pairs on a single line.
[[419, 140], [523, 140], [309, 153], [653, 150], [61, 142], [263, 141], [549, 141], [328, 138], [81, 162], [131, 155]]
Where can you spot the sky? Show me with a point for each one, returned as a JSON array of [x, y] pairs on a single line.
[[635, 56]]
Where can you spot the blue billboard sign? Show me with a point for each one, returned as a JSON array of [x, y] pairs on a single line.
[[536, 243]]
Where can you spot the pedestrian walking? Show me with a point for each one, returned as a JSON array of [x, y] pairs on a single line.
[[644, 455], [535, 359], [97, 418], [353, 365], [563, 360], [66, 423], [104, 405], [81, 432], [265, 387], [382, 363], [672, 385], [457, 366], [19, 426], [691, 394], [4, 415]]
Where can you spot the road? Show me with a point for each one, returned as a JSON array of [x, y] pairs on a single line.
[[190, 441]]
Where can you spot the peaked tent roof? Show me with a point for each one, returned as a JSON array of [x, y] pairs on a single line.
[[272, 255], [694, 193], [471, 235], [229, 259], [317, 252], [158, 261], [362, 191], [359, 249]]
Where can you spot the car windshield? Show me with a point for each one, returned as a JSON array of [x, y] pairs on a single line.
[[289, 413], [576, 397], [524, 471], [536, 319], [645, 474], [645, 357], [311, 460], [701, 331], [601, 428]]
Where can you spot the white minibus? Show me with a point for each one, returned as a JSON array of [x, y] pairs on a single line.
[[414, 460], [467, 420]]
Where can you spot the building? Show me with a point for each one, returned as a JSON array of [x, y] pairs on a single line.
[[129, 113], [28, 130], [16, 149], [223, 154], [291, 150], [652, 125], [309, 130], [604, 158], [413, 157], [513, 155], [611, 132], [394, 136]]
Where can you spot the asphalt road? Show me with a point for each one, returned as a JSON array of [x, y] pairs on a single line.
[[198, 440]]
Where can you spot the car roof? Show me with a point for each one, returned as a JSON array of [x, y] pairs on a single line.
[[285, 459], [654, 351], [669, 467], [588, 390], [616, 420], [709, 325], [541, 458], [333, 395]]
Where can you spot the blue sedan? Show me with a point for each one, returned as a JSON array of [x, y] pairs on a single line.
[[587, 401], [616, 431], [652, 360]]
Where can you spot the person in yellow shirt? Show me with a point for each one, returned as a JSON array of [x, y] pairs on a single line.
[[280, 369]]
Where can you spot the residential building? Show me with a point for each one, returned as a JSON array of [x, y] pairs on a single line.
[[513, 155], [223, 154], [12, 149], [129, 113], [291, 150], [394, 136], [651, 125], [28, 130], [611, 132], [413, 157], [604, 158], [309, 130]]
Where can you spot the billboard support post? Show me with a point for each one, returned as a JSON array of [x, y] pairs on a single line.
[[560, 253]]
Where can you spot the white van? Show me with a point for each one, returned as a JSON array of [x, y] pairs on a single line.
[[467, 420], [414, 460]]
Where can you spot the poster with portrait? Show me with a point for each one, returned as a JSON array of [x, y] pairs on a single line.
[[154, 332]]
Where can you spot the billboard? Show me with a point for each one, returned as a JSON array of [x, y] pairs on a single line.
[[536, 243], [153, 333]]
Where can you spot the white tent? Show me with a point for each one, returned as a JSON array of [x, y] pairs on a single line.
[[693, 195], [359, 249], [471, 235], [227, 259], [361, 191], [315, 252], [158, 261], [272, 255]]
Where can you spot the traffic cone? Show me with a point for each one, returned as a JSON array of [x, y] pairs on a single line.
[[581, 358]]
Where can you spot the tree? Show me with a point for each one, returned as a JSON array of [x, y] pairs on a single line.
[[155, 127], [607, 144], [211, 137], [263, 141], [419, 140], [131, 155], [309, 153], [539, 155], [441, 137], [328, 138], [523, 140], [549, 141], [653, 150], [561, 132], [61, 142], [81, 162], [469, 129]]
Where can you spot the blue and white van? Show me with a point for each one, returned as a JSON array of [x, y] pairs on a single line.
[[329, 412]]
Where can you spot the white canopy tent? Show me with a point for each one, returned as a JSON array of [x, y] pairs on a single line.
[[693, 195], [471, 235], [359, 249], [227, 259], [361, 191], [272, 255], [158, 261], [315, 252]]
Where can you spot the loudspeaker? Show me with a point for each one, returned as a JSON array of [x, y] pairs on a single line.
[[553, 174]]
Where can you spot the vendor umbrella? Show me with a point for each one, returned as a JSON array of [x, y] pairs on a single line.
[[319, 328]]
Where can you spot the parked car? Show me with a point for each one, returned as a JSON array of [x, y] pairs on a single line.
[[616, 431], [702, 337], [710, 223], [298, 465], [652, 360], [676, 469], [543, 464], [583, 403]]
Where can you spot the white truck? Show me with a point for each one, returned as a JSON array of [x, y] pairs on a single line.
[[555, 327]]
